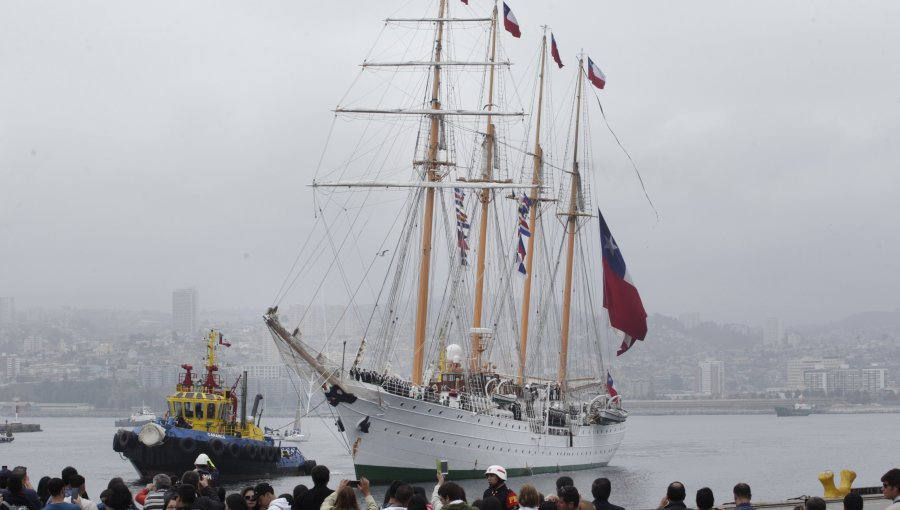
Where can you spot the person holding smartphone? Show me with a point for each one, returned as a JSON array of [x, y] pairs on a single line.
[[344, 498]]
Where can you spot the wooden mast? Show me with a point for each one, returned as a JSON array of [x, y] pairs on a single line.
[[571, 224], [532, 223], [477, 347], [431, 166]]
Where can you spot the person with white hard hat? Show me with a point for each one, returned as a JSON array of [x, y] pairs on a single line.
[[496, 478]]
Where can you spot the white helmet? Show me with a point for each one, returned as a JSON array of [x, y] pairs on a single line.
[[496, 470], [202, 460]]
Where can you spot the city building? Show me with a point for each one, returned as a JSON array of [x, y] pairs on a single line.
[[184, 311], [773, 331], [7, 310], [711, 378], [796, 369], [873, 379]]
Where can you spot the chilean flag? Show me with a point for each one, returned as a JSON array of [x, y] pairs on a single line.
[[620, 296], [610, 388], [555, 51], [510, 23], [596, 75]]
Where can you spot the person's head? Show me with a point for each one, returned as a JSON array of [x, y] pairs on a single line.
[[601, 488], [185, 495], [345, 499], [21, 471], [392, 488], [890, 484], [66, 475], [853, 501], [263, 494], [235, 501], [741, 493], [169, 502], [675, 492], [202, 462], [162, 481], [496, 476], [114, 481], [191, 478], [403, 494], [491, 503], [320, 475], [815, 503], [248, 497], [451, 491], [55, 486], [418, 490], [568, 498], [299, 490], [42, 491], [705, 499], [529, 496], [417, 502], [14, 485], [563, 481], [120, 497], [76, 481]]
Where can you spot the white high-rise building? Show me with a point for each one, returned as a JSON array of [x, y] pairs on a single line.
[[773, 331], [184, 311], [796, 368], [873, 379], [711, 378], [7, 310]]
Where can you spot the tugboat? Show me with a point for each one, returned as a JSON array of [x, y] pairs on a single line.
[[204, 417], [798, 409]]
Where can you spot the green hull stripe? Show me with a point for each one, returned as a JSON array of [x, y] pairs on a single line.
[[387, 474]]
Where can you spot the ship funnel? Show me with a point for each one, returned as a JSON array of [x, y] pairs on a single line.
[[256, 404]]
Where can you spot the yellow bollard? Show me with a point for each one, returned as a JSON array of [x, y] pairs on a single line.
[[826, 478]]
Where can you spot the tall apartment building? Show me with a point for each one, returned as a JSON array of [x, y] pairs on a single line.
[[796, 368], [7, 310], [711, 378], [184, 311], [873, 379], [773, 331]]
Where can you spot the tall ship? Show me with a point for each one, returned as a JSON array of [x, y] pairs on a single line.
[[481, 251], [204, 417]]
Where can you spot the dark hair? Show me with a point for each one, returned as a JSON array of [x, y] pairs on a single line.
[[320, 475], [892, 478], [601, 488], [853, 501], [244, 493], [287, 497], [451, 491], [392, 488], [191, 478], [547, 505], [14, 485], [491, 503], [705, 499], [417, 502], [569, 494], [187, 493], [67, 473], [236, 501], [742, 490], [119, 497], [42, 492], [563, 481], [815, 503], [403, 494], [675, 491], [479, 504], [55, 486], [76, 480]]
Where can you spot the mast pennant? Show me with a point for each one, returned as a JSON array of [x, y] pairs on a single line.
[[510, 23], [596, 75], [462, 227], [620, 296], [524, 231]]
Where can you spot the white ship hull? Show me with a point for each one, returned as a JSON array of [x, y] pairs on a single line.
[[406, 436]]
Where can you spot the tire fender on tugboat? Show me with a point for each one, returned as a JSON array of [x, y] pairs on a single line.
[[120, 440], [234, 450], [217, 447], [187, 444]]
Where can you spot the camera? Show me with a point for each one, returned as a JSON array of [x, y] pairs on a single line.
[[353, 483]]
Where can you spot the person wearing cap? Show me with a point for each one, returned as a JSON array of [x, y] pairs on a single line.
[[264, 495], [496, 478]]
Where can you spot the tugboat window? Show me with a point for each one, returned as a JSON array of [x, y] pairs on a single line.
[[199, 410], [211, 411]]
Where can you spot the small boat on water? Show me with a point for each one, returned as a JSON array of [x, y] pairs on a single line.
[[138, 417], [202, 416], [7, 438], [798, 409]]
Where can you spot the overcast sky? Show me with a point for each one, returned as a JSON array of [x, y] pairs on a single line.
[[146, 147]]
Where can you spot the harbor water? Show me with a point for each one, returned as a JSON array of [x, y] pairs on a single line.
[[779, 457]]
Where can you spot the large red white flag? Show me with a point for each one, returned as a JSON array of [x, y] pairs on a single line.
[[510, 23], [596, 75], [620, 296], [554, 51]]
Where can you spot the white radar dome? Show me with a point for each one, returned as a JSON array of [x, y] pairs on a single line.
[[454, 353]]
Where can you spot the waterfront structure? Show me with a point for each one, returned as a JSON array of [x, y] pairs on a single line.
[[184, 310]]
